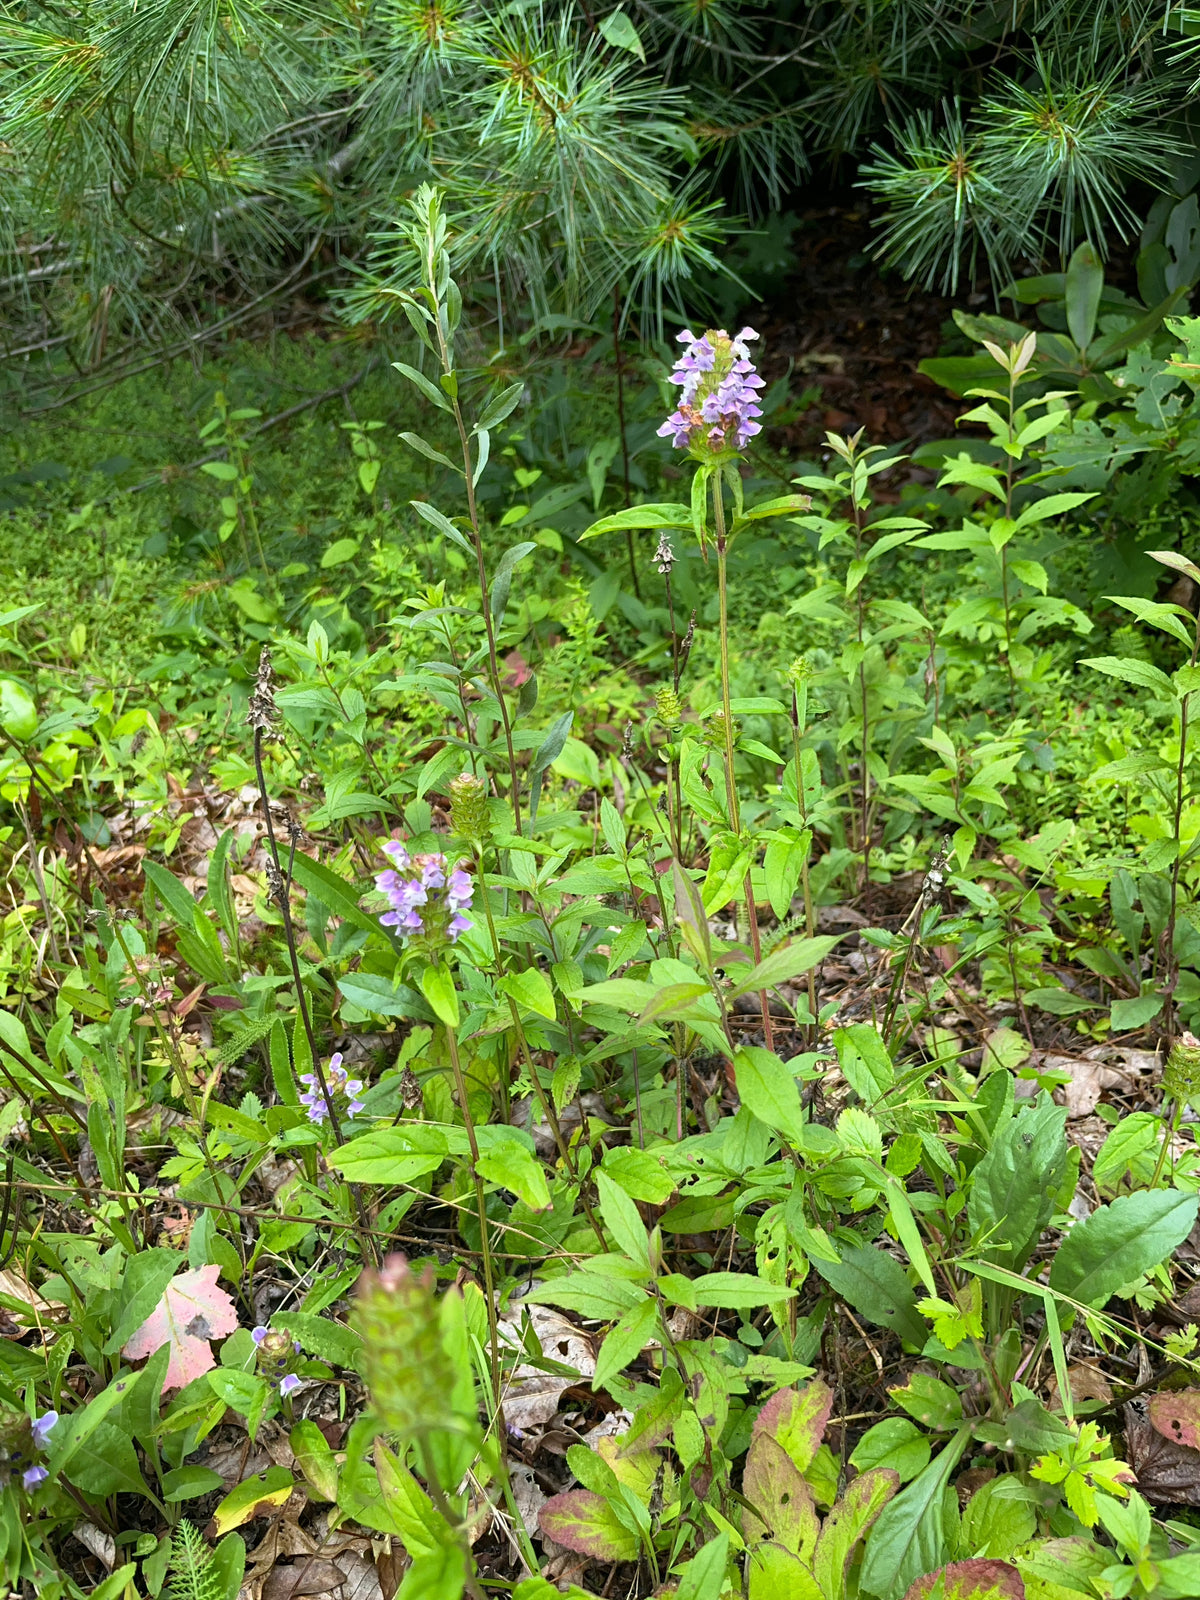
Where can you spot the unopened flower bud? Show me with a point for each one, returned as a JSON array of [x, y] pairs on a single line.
[[1181, 1075], [405, 1362], [667, 706], [469, 809]]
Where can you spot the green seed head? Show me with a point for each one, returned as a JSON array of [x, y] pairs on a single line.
[[469, 808]]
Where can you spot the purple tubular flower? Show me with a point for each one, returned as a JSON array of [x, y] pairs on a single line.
[[426, 896], [718, 403], [33, 1476], [42, 1428], [340, 1083], [290, 1384], [260, 1333]]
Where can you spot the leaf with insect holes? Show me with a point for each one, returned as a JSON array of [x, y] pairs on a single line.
[[191, 1312], [1177, 1416], [970, 1580]]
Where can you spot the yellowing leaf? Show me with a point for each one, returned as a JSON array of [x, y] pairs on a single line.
[[253, 1497], [192, 1311]]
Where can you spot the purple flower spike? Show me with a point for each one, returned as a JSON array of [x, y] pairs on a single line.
[[42, 1428], [426, 897], [33, 1476], [718, 401]]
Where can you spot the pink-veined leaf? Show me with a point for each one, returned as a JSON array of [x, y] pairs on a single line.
[[1177, 1416], [192, 1311], [970, 1580], [585, 1522], [796, 1418]]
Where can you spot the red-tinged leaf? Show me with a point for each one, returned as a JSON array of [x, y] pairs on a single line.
[[784, 1511], [191, 1312], [1177, 1416], [586, 1523], [970, 1580], [796, 1418], [847, 1523]]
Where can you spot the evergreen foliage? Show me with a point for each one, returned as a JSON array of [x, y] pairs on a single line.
[[170, 170]]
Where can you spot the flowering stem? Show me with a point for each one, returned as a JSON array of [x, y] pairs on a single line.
[[727, 715], [485, 1246]]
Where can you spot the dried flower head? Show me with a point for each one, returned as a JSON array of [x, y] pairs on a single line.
[[261, 713], [718, 401], [664, 555]]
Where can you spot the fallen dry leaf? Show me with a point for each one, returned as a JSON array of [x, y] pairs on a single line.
[[1087, 1383], [192, 1311], [1167, 1473]]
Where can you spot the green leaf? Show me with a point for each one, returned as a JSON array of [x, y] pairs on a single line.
[[1118, 1242], [531, 990], [874, 1284], [430, 390], [592, 1294], [586, 1523], [315, 1458], [735, 1291], [768, 1088], [321, 1336], [187, 1483], [623, 1220], [703, 1577], [143, 1282], [1130, 670], [437, 985], [625, 1341], [435, 519], [931, 1402], [415, 442], [1084, 286], [396, 1155], [315, 878], [909, 1537], [223, 471], [789, 961], [1012, 1190], [634, 517], [895, 1443], [1059, 1002], [846, 1525], [617, 30], [507, 1160], [500, 406], [340, 551], [1127, 1015]]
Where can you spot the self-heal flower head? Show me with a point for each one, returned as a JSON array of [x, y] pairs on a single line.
[[340, 1084], [718, 401], [427, 897]]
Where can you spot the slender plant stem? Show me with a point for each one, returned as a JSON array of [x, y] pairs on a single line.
[[485, 1247], [1180, 772], [620, 366], [282, 897], [735, 821]]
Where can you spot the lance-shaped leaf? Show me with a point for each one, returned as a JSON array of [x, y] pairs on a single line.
[[846, 1524], [782, 1502]]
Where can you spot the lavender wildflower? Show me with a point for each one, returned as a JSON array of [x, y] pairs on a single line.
[[339, 1084], [42, 1427], [34, 1476], [718, 402], [425, 898], [290, 1384]]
